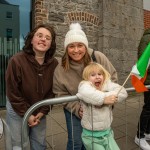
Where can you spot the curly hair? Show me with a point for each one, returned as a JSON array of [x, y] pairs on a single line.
[[28, 45]]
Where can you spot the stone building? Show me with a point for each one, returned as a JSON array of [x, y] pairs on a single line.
[[113, 27]]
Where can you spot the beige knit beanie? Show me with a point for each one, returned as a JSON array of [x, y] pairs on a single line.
[[75, 34]]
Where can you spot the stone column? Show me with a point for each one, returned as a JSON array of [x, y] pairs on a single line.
[[122, 28]]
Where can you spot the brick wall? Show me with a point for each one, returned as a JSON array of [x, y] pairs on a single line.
[[146, 19], [84, 16], [40, 12]]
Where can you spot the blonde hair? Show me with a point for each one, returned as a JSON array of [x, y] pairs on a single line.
[[95, 67]]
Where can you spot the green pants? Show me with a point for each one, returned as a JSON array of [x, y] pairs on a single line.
[[106, 142]]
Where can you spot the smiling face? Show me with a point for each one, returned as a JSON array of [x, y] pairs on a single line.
[[97, 78], [76, 51], [41, 41]]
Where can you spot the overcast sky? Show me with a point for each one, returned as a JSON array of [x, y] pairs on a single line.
[[24, 7], [146, 4]]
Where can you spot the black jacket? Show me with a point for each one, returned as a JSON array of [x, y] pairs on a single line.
[[143, 44]]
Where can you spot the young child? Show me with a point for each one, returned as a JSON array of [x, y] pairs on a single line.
[[98, 94]]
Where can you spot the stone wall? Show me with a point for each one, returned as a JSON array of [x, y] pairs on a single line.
[[112, 26], [122, 30]]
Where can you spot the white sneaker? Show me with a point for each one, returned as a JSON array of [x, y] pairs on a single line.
[[142, 143], [147, 137]]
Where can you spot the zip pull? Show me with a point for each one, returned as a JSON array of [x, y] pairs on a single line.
[[40, 74]]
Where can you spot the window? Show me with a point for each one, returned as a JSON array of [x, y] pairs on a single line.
[[9, 34], [9, 15]]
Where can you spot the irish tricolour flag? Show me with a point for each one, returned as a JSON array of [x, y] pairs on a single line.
[[139, 71]]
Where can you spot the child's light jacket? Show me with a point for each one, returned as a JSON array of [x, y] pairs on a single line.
[[94, 111]]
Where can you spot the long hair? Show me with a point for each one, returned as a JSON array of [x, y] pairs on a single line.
[[28, 48], [66, 60]]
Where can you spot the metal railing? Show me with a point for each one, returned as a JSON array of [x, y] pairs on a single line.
[[5, 131], [25, 138], [60, 100], [52, 101], [7, 49]]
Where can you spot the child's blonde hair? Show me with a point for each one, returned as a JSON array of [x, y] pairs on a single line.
[[92, 67]]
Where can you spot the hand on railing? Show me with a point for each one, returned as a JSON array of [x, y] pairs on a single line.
[[80, 112]]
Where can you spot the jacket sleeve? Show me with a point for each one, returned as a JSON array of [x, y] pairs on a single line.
[[60, 90], [114, 88], [103, 60], [143, 43], [58, 86], [13, 91], [90, 94]]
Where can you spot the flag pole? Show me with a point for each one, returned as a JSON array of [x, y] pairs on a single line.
[[124, 83]]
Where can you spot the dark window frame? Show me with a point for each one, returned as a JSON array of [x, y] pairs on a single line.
[[9, 15], [9, 34]]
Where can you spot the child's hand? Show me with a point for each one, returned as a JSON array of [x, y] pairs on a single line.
[[110, 100], [80, 112]]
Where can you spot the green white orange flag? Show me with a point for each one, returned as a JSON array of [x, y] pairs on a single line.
[[139, 71]]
